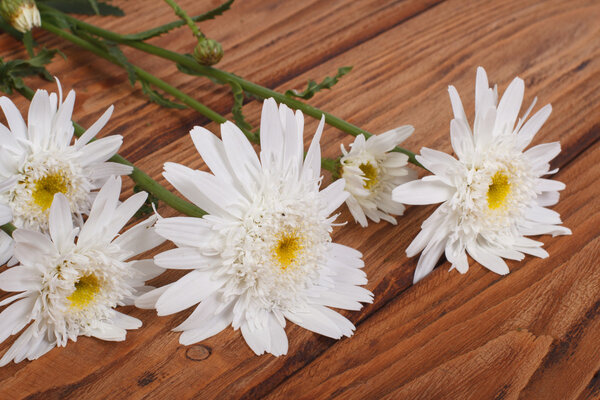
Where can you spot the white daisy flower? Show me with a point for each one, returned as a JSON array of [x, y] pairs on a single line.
[[37, 161], [70, 288], [494, 194], [264, 253], [372, 171]]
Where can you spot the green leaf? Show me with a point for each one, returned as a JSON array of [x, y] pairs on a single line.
[[12, 72], [238, 103], [28, 42], [176, 24], [158, 98], [148, 207], [94, 5], [84, 7], [314, 87]]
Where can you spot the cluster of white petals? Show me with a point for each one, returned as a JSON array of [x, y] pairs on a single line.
[[371, 171], [70, 280], [264, 253], [40, 159], [494, 194]]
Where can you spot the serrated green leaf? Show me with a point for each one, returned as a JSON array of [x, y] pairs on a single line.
[[238, 103], [84, 7], [141, 36], [158, 98], [313, 87], [12, 72]]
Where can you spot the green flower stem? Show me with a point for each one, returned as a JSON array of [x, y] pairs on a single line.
[[142, 179], [180, 12], [225, 77]]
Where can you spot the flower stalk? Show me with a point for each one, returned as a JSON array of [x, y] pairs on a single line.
[[226, 77]]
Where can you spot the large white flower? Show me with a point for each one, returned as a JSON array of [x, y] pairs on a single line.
[[37, 161], [372, 171], [494, 194], [263, 254], [70, 287]]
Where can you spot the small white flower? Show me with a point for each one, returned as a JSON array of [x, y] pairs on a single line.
[[372, 171], [70, 288], [263, 254], [37, 161], [494, 194]]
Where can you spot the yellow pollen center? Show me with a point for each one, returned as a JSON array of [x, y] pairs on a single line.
[[86, 289], [287, 248], [45, 188], [370, 173], [498, 191]]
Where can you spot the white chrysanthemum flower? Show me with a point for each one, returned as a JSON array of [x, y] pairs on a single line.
[[494, 194], [37, 161], [70, 288], [264, 253], [372, 171]]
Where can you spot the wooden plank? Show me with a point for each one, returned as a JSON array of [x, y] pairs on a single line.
[[401, 71], [449, 319]]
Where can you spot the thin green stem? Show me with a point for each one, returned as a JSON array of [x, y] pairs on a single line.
[[180, 12], [142, 179], [225, 77]]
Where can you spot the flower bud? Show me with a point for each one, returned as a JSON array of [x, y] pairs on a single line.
[[208, 51], [23, 15]]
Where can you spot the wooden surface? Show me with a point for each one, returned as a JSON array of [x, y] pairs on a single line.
[[534, 334]]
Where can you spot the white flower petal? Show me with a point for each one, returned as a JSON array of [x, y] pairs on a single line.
[[490, 261], [61, 222], [140, 238], [14, 317], [124, 321], [184, 258], [312, 163], [531, 127], [509, 106], [187, 291], [13, 117], [212, 325], [93, 130], [423, 192]]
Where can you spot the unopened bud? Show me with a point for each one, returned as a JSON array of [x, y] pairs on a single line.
[[208, 51], [23, 15]]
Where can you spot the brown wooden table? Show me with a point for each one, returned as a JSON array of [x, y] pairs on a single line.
[[534, 334]]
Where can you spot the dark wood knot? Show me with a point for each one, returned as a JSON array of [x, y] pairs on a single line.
[[198, 352]]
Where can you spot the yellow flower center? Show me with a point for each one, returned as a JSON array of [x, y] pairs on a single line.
[[86, 288], [45, 188], [370, 173], [498, 191], [287, 248]]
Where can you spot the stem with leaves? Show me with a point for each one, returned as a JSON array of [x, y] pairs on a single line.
[[180, 12], [188, 65]]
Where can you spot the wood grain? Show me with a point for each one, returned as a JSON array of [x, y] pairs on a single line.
[[472, 336]]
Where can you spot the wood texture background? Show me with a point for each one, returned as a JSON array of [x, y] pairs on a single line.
[[534, 334]]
